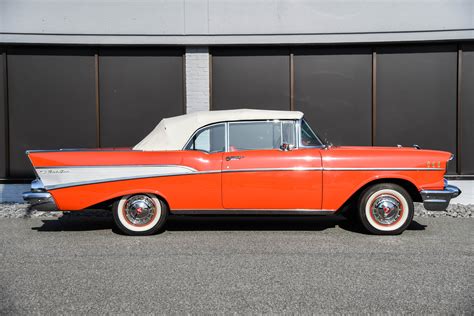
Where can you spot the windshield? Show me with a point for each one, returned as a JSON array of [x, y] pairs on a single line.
[[308, 137]]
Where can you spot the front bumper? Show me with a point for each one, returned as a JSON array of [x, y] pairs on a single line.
[[438, 200], [39, 198]]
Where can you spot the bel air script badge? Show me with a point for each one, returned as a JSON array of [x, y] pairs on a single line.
[[53, 171]]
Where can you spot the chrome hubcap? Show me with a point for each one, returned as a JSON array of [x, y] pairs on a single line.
[[386, 209], [140, 209]]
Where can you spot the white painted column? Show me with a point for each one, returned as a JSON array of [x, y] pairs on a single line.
[[197, 79]]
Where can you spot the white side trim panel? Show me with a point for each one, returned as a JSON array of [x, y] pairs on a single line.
[[56, 177]]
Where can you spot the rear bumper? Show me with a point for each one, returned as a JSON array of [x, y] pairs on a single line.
[[39, 198], [41, 201], [438, 200]]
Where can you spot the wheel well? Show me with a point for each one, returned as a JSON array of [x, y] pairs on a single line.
[[407, 185], [108, 203]]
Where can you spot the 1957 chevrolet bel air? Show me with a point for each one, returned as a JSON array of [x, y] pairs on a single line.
[[241, 162]]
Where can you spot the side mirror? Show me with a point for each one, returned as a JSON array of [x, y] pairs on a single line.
[[286, 147]]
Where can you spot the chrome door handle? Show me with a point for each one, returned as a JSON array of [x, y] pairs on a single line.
[[229, 158]]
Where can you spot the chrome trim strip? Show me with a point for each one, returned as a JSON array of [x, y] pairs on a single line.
[[329, 169], [200, 129], [382, 169], [300, 121], [227, 123], [272, 169], [254, 212], [79, 150], [117, 166], [248, 169], [227, 146]]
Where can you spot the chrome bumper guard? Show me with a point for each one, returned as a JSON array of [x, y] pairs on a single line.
[[39, 199], [438, 200]]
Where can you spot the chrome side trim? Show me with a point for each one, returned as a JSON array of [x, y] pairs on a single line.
[[202, 128], [118, 166], [254, 212], [329, 169], [78, 149], [249, 169], [382, 169], [227, 146], [227, 123], [272, 169], [298, 131]]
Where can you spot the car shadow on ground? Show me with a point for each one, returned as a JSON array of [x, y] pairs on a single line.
[[74, 222]]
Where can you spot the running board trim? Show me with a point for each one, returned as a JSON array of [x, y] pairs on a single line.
[[253, 212]]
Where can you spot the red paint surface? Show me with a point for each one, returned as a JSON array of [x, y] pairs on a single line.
[[281, 189]]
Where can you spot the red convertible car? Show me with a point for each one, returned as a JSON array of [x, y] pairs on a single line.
[[241, 162]]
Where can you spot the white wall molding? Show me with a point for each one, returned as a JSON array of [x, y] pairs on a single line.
[[208, 22]]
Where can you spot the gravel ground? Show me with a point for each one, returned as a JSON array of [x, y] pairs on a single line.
[[22, 210]]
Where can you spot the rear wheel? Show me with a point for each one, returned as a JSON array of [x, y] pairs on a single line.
[[385, 209], [140, 214]]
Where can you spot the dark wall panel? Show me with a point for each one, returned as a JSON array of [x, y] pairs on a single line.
[[257, 78], [416, 97], [467, 110], [333, 88], [138, 87], [3, 112], [51, 95]]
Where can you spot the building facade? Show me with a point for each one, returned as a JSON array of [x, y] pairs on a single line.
[[103, 74]]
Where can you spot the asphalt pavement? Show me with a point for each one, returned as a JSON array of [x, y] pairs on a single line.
[[75, 265]]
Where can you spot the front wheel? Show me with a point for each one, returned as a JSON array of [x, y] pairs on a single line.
[[140, 214], [386, 209]]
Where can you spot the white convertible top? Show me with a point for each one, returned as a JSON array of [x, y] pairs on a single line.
[[173, 133]]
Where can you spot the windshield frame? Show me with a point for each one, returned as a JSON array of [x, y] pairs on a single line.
[[300, 142]]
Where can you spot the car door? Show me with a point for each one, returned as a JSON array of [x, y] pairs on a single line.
[[201, 190], [257, 174]]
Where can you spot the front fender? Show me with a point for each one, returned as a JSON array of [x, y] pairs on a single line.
[[340, 186]]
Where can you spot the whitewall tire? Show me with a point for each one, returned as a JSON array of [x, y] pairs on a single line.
[[140, 214], [386, 209]]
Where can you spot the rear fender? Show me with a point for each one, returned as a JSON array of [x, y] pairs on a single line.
[[82, 197]]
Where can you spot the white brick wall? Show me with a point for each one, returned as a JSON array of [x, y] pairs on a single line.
[[197, 79]]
